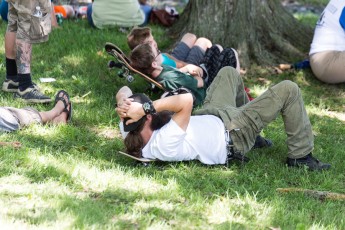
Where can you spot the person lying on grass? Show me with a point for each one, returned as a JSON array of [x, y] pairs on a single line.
[[12, 119], [203, 136], [190, 50], [147, 59]]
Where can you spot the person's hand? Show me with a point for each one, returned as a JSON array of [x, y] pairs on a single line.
[[135, 112], [123, 106], [193, 70]]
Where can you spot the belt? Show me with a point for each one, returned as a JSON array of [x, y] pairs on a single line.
[[231, 153]]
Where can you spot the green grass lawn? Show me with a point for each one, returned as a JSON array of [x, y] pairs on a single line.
[[71, 177]]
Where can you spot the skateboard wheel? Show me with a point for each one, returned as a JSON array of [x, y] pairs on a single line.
[[130, 78], [111, 64]]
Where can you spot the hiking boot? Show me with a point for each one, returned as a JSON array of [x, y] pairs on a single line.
[[12, 86], [261, 142], [311, 162], [32, 95]]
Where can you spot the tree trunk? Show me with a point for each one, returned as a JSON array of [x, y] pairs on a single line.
[[262, 31]]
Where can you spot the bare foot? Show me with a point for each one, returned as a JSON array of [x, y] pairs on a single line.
[[64, 106]]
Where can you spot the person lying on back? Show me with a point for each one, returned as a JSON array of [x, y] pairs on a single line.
[[147, 59]]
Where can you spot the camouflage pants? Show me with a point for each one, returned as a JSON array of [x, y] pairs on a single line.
[[226, 98], [28, 27]]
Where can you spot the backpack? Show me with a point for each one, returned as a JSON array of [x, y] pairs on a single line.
[[165, 17]]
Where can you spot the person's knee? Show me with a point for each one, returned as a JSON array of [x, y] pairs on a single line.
[[229, 71], [203, 43], [290, 87], [189, 39], [290, 84]]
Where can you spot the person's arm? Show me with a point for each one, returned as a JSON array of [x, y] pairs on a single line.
[[195, 71], [181, 105]]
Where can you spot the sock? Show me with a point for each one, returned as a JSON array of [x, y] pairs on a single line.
[[11, 69], [24, 81]]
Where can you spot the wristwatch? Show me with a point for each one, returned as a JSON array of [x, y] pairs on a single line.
[[148, 108]]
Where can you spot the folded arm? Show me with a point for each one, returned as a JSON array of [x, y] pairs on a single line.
[[181, 105]]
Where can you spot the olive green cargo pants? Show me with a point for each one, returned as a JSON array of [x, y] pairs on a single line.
[[227, 99]]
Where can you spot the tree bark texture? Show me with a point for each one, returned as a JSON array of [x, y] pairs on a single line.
[[262, 31]]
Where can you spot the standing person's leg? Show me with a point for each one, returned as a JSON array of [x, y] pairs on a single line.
[[89, 15], [11, 82], [30, 29], [147, 11]]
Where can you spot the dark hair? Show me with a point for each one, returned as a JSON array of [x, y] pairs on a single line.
[[142, 58], [134, 142], [137, 36]]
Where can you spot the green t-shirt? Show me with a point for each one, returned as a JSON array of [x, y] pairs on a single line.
[[172, 78], [110, 13]]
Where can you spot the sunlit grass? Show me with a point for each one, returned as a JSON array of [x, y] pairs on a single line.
[[72, 176]]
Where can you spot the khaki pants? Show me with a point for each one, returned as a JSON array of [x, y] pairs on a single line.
[[329, 66], [12, 119], [226, 98], [28, 27]]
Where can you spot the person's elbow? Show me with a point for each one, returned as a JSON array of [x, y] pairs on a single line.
[[187, 99]]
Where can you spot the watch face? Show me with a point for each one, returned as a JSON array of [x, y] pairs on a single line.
[[146, 106]]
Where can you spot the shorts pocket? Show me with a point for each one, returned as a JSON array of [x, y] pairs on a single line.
[[40, 26]]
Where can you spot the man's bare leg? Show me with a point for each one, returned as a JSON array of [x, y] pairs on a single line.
[[26, 89], [10, 45]]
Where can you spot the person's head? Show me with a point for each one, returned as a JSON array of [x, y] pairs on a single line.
[[140, 35], [145, 58], [134, 141]]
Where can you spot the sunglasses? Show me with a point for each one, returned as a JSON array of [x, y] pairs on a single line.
[[158, 53]]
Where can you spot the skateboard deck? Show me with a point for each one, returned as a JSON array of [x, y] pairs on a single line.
[[122, 62], [141, 159]]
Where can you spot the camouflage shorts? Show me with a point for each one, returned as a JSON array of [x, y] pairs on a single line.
[[28, 27]]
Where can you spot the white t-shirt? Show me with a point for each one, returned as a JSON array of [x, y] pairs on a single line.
[[329, 35], [204, 140]]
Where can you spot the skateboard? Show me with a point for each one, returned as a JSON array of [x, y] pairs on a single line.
[[145, 161], [122, 62]]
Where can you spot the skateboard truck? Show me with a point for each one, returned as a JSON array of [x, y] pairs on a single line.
[[123, 72]]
